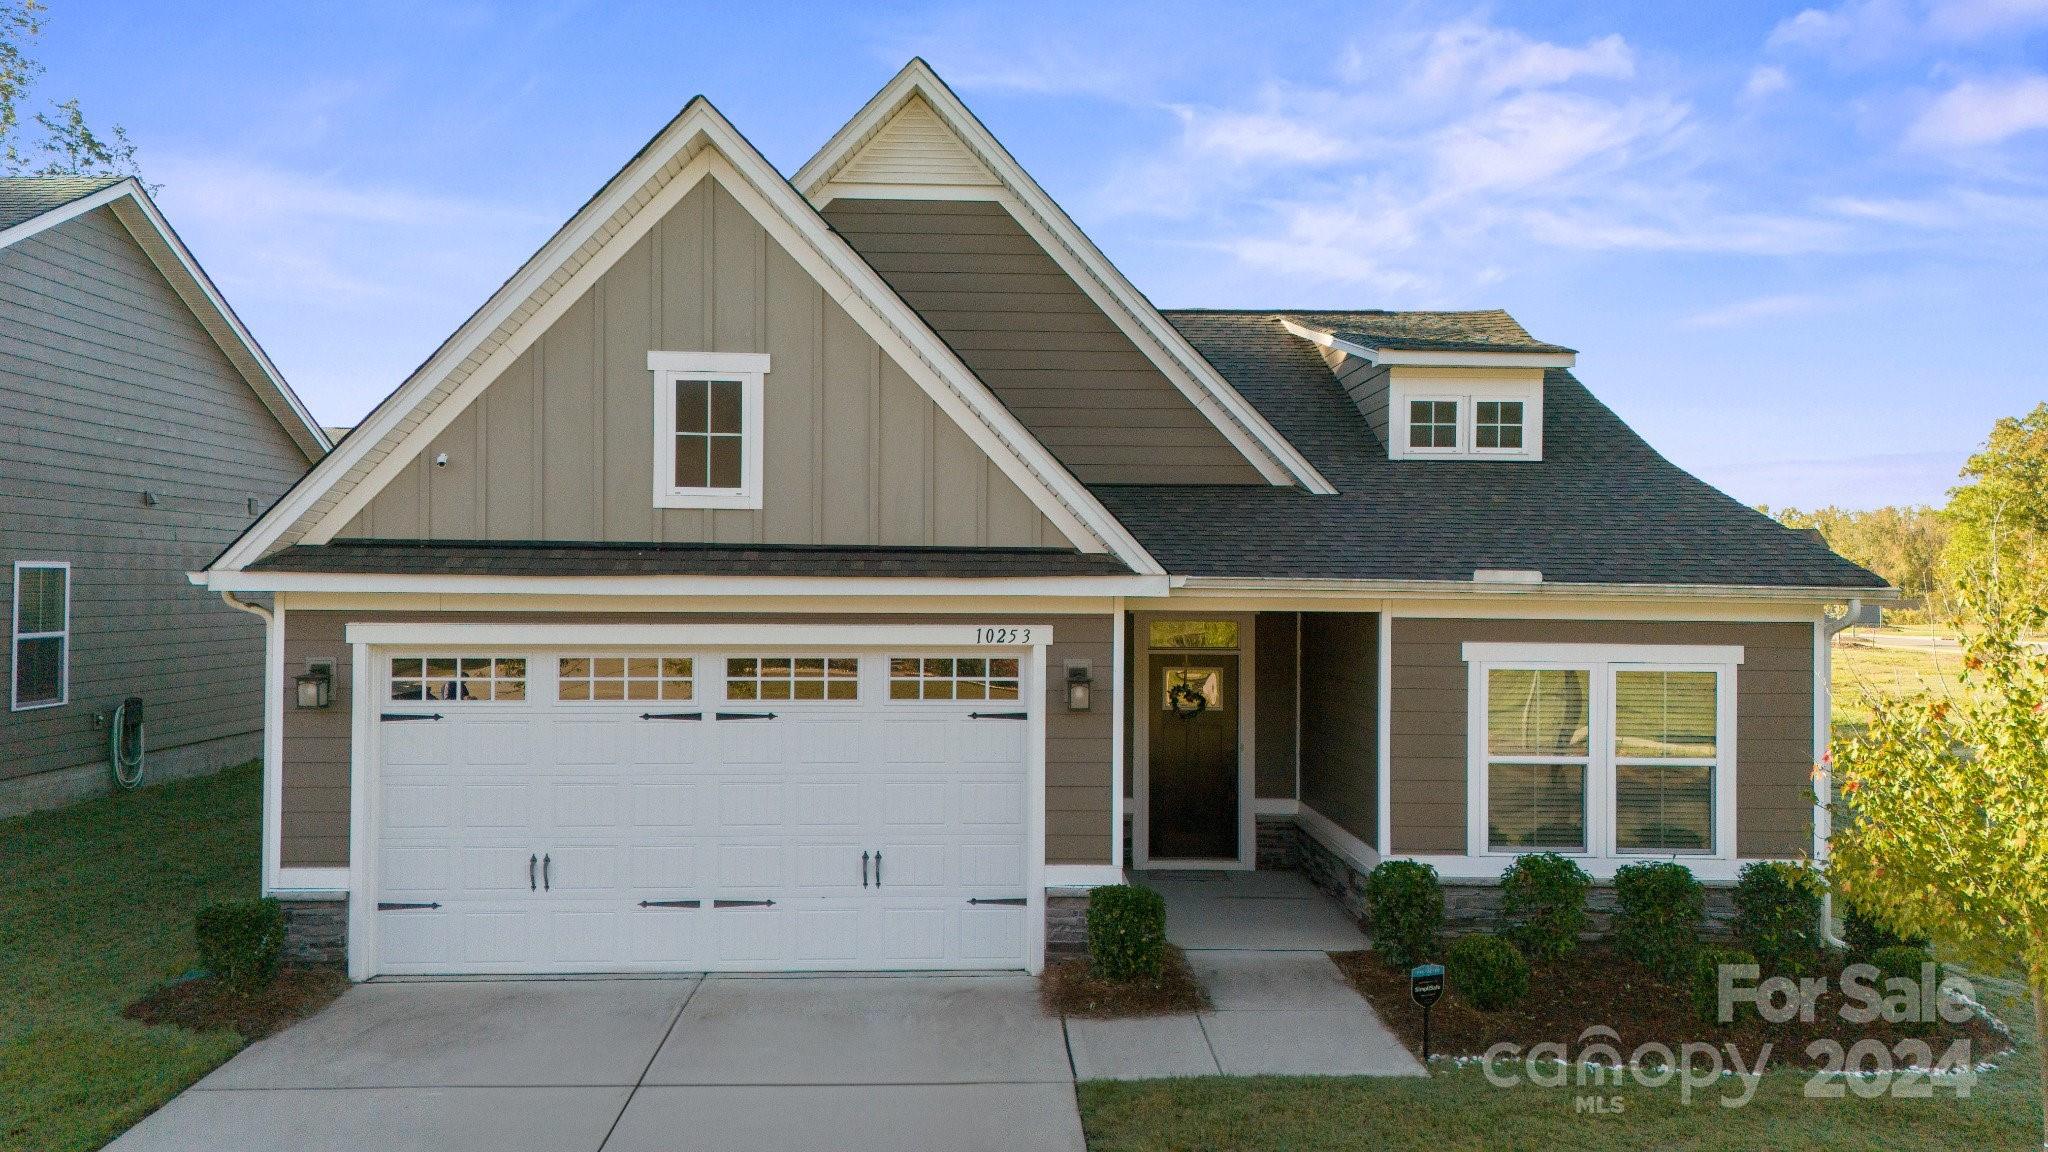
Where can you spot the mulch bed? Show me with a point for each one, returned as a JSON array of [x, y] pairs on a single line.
[[1596, 987], [204, 1004], [1068, 988]]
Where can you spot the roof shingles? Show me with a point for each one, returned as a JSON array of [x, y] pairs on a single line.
[[23, 198], [1601, 507]]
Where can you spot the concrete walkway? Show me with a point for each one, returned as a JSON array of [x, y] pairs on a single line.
[[1259, 943], [736, 1064]]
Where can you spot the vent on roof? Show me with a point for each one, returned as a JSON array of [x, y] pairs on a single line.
[[1506, 576]]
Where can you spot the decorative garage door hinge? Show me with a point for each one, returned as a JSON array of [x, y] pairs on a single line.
[[410, 716], [388, 906], [997, 715], [742, 903], [745, 715], [671, 715], [671, 903], [1007, 901]]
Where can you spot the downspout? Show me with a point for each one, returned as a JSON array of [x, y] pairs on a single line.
[[1823, 780]]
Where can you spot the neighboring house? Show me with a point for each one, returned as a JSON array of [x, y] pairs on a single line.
[[141, 430], [833, 573]]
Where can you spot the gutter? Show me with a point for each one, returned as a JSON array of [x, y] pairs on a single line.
[[1824, 783], [1536, 588]]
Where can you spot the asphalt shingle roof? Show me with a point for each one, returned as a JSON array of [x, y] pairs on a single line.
[[1489, 331], [23, 198], [580, 558], [1600, 507]]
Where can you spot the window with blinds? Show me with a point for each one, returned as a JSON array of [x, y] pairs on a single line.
[[1666, 742], [1538, 752]]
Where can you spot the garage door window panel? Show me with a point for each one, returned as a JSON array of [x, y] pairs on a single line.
[[954, 678], [615, 678], [788, 677], [457, 679]]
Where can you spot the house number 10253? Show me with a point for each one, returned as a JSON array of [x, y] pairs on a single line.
[[1002, 635]]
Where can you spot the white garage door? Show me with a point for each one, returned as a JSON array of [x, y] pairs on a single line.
[[699, 809]]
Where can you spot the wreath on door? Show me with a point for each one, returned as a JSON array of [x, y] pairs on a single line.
[[1186, 700]]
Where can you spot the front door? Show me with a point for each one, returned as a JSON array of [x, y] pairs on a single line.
[[1193, 756]]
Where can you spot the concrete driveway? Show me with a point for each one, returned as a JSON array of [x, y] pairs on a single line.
[[624, 1065]]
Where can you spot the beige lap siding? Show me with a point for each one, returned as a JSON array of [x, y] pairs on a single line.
[[316, 743], [1774, 722], [1339, 720]]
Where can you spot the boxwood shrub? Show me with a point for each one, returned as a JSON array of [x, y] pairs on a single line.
[[1706, 982], [1407, 907], [1543, 905], [1488, 971], [1658, 910], [1126, 932], [1777, 916], [1867, 935], [241, 941]]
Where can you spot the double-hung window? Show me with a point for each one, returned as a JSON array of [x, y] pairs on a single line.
[[41, 656], [1601, 750], [708, 410]]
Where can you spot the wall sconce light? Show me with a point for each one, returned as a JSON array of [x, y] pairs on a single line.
[[315, 687], [1079, 679]]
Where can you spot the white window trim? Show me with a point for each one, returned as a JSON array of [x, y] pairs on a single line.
[[1460, 421], [751, 370], [1467, 390], [1602, 661], [17, 636]]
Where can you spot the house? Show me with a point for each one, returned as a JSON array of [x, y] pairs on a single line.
[[141, 430], [850, 571]]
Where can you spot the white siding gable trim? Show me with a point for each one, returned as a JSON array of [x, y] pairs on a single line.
[[706, 145], [825, 176]]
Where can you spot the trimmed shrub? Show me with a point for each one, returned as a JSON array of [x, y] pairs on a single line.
[[1658, 910], [1407, 906], [1903, 960], [1543, 904], [1126, 932], [1706, 982], [1866, 936], [1488, 971], [241, 941], [1777, 916]]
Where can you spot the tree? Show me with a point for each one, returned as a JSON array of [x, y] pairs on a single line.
[[1902, 544], [1998, 523], [1943, 831], [64, 145]]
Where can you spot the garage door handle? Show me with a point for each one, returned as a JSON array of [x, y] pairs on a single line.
[[544, 862], [1007, 901], [997, 715], [410, 716], [531, 862], [878, 868], [745, 715], [383, 906], [671, 903], [863, 869], [743, 903], [671, 715]]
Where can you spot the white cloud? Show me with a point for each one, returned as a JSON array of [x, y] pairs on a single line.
[[1971, 19], [1470, 58], [1857, 32], [1538, 136], [1744, 312], [1250, 137], [1764, 81], [1976, 113]]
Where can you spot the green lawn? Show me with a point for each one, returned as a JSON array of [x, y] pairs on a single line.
[[1860, 670], [96, 905], [1458, 1110]]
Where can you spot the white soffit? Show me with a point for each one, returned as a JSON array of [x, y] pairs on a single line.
[[871, 146], [1416, 358]]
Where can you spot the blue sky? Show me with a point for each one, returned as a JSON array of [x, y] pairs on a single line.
[[1803, 250]]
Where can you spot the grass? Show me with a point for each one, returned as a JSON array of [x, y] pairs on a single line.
[[1459, 1110], [1860, 670], [96, 906]]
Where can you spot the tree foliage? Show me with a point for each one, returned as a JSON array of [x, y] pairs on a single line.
[[1998, 523], [63, 143], [1943, 824], [1902, 544]]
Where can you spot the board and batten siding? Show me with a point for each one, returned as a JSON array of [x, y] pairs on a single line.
[[560, 447], [1774, 722], [1078, 770], [1340, 719], [1066, 371], [110, 387]]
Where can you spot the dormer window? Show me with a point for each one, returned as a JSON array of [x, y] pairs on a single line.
[[1464, 412], [708, 409]]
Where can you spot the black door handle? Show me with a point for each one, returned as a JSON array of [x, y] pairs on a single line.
[[743, 715], [530, 862], [878, 867], [544, 862], [863, 869]]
